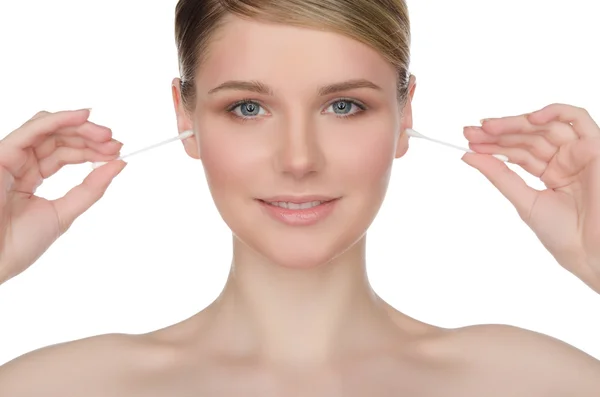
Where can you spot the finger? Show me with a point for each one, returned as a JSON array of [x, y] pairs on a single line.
[[88, 130], [110, 147], [13, 159], [49, 145], [538, 145], [521, 157], [39, 114], [508, 125], [511, 185], [83, 196], [66, 155], [6, 182], [579, 118], [556, 132], [37, 129], [571, 159], [592, 223]]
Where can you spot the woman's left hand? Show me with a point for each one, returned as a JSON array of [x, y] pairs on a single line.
[[560, 144]]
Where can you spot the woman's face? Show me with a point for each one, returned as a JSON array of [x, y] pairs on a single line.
[[286, 114]]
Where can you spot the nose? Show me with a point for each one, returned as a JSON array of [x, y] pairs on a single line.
[[299, 151]]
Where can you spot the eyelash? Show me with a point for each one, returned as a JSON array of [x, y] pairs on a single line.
[[233, 106]]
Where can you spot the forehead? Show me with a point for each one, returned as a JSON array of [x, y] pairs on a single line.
[[251, 50]]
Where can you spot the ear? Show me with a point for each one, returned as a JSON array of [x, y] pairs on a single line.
[[184, 121], [407, 119]]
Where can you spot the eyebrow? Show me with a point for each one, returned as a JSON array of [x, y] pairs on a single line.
[[262, 88]]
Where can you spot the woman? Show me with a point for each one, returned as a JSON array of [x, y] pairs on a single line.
[[302, 104]]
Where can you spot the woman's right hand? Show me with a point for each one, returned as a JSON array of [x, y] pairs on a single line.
[[38, 149]]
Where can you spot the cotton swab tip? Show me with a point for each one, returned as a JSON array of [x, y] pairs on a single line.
[[98, 164], [413, 133], [501, 157]]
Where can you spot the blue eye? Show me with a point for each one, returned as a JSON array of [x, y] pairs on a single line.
[[246, 109], [346, 107]]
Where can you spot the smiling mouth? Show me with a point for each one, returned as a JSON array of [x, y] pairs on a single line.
[[299, 211], [288, 205]]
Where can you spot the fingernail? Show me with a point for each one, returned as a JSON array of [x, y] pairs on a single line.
[[483, 121]]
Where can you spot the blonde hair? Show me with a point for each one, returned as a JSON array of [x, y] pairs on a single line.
[[381, 24]]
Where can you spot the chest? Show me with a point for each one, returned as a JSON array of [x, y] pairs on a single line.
[[368, 382]]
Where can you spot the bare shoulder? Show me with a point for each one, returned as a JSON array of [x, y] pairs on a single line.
[[99, 365], [523, 359]]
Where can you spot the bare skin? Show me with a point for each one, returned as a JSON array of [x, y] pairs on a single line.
[[293, 320], [416, 359]]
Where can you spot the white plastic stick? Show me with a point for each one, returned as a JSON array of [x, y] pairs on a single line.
[[183, 135], [416, 134]]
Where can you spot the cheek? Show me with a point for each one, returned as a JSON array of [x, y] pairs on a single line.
[[228, 162], [360, 154], [366, 156]]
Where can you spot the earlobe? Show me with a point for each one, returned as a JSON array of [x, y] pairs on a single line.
[[184, 121], [402, 146], [192, 148]]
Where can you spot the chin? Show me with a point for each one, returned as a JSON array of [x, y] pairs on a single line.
[[262, 236], [301, 250], [302, 247]]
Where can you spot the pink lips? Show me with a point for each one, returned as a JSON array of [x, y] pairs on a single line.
[[299, 217]]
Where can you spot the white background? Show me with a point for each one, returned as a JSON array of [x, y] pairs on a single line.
[[446, 248]]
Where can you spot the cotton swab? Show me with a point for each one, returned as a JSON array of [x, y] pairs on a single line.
[[182, 136], [416, 134]]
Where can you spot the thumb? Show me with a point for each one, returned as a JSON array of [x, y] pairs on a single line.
[[511, 185], [83, 196]]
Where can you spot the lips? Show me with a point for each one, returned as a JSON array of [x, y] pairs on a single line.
[[296, 206], [298, 211], [297, 199]]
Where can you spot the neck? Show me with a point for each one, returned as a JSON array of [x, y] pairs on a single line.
[[298, 315]]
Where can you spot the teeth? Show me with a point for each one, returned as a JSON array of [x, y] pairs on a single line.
[[294, 206]]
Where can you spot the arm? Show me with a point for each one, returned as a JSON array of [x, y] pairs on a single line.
[[87, 367], [526, 360]]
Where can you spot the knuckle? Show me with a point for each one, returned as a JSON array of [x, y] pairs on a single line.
[[555, 106], [36, 116], [561, 107], [39, 114], [583, 112]]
